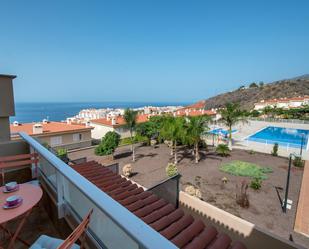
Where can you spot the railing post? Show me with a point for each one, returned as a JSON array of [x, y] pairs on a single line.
[[60, 195]]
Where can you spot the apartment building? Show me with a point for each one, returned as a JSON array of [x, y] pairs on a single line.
[[285, 103], [55, 134]]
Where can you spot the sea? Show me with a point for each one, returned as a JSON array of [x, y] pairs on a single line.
[[35, 112]]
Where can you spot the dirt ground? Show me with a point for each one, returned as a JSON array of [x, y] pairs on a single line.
[[264, 211]]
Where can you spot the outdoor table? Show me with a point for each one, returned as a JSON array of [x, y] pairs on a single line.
[[31, 195]]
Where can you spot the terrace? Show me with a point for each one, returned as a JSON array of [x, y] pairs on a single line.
[[125, 215]]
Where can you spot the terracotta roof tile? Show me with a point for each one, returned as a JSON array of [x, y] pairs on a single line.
[[180, 228], [49, 128], [119, 120]]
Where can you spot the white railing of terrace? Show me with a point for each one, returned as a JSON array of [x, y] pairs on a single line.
[[280, 120], [112, 225]]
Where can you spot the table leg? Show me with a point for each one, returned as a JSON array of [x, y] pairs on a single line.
[[19, 227], [7, 231]]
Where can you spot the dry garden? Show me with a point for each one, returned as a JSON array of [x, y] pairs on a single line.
[[220, 181], [247, 184]]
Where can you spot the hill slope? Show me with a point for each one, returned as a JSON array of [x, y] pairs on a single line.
[[298, 86]]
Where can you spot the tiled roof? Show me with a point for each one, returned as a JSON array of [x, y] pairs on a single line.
[[180, 228], [194, 112], [49, 128], [141, 118], [198, 105], [283, 100]]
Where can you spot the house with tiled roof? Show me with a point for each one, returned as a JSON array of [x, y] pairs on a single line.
[[285, 103], [117, 123], [113, 123], [55, 134]]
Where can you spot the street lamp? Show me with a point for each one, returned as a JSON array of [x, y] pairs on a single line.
[[302, 143], [285, 203]]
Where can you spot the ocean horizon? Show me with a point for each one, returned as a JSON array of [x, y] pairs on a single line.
[[27, 112]]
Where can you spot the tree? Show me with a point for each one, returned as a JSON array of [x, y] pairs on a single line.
[[195, 127], [108, 144], [253, 84], [151, 128], [254, 113], [230, 116], [173, 130], [130, 117], [261, 84]]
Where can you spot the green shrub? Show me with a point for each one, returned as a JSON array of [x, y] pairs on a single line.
[[298, 162], [256, 183], [223, 150], [240, 168], [62, 152], [251, 152], [108, 144], [171, 169], [275, 150]]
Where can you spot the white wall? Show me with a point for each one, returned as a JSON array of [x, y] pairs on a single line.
[[99, 130]]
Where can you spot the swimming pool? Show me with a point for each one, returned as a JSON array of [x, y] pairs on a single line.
[[283, 136]]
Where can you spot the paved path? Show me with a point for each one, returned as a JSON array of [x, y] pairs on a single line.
[[302, 215]]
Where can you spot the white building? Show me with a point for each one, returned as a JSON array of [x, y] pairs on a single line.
[[285, 103]]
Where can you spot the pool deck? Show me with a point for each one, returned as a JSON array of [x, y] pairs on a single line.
[[247, 129]]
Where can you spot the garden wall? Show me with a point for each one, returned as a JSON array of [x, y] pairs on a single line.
[[237, 228]]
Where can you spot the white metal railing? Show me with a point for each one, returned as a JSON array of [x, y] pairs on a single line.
[[287, 145], [280, 120], [112, 225]]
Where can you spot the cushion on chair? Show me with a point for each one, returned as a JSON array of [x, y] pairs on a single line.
[[46, 242]]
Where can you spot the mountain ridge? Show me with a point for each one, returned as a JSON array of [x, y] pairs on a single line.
[[247, 96]]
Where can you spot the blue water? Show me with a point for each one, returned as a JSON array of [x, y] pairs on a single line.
[[221, 131], [35, 112], [283, 136]]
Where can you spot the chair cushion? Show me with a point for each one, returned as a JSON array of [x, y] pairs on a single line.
[[46, 242]]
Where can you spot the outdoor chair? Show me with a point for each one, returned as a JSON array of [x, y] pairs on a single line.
[[18, 161], [46, 242]]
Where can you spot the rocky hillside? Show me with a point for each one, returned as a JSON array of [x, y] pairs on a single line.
[[247, 96]]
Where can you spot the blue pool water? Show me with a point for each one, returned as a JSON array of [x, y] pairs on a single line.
[[283, 136], [220, 131]]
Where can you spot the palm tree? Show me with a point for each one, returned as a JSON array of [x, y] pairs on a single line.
[[195, 128], [173, 130], [230, 116], [130, 117]]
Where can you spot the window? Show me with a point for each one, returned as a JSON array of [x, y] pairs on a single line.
[[55, 141], [77, 137]]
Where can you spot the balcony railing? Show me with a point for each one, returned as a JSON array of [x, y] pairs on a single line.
[[112, 225]]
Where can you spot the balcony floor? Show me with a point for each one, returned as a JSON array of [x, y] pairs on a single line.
[[38, 223]]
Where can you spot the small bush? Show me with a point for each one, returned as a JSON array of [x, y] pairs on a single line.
[[223, 150], [298, 162], [256, 183], [108, 144], [251, 152], [62, 152], [275, 150], [171, 169]]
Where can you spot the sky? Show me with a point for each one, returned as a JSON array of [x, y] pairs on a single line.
[[165, 51]]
